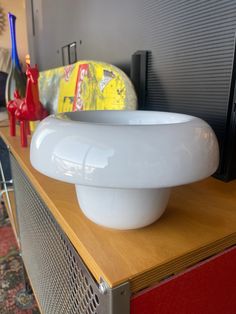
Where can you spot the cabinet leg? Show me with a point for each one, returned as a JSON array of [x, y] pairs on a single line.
[[26, 282], [3, 213]]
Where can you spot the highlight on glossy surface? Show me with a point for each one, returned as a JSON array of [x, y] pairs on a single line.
[[124, 162]]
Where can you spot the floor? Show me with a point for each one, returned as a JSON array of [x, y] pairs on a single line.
[[13, 298]]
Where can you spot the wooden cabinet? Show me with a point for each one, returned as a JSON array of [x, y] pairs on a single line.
[[69, 257]]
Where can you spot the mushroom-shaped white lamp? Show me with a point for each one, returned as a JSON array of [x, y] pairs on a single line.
[[124, 163]]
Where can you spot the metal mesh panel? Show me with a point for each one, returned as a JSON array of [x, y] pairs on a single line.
[[59, 278]]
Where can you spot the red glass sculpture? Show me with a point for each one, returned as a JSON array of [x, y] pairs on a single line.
[[11, 107], [28, 108]]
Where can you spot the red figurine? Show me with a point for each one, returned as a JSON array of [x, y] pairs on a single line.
[[27, 109], [11, 107]]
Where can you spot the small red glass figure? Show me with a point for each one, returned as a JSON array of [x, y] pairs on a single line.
[[11, 107], [29, 108]]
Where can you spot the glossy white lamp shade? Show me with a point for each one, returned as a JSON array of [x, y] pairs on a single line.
[[124, 163]]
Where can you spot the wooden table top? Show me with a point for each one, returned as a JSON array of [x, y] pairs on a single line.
[[200, 221]]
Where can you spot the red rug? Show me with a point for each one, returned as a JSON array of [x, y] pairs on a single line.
[[13, 299]]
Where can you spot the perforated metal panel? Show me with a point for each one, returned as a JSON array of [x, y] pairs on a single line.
[[60, 280]]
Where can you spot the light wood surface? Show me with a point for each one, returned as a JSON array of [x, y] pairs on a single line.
[[199, 222]]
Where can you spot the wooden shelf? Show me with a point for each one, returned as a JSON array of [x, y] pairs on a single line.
[[199, 222]]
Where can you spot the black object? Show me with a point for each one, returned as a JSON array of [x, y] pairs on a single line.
[[138, 75], [3, 80], [5, 161], [4, 153]]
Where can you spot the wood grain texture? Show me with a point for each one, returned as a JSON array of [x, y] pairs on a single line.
[[200, 221]]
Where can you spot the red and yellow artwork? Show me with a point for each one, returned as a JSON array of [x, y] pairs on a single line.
[[86, 85]]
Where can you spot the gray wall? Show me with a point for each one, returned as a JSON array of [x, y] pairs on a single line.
[[105, 30]]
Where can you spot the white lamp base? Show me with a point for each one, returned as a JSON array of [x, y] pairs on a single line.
[[122, 208]]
